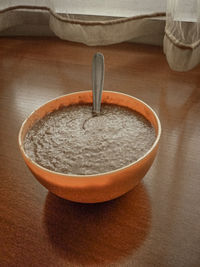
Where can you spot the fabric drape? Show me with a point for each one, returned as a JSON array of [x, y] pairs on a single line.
[[182, 34], [181, 43]]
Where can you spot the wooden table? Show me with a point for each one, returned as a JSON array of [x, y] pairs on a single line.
[[157, 223]]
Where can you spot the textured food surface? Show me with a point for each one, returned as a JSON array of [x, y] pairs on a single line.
[[72, 141]]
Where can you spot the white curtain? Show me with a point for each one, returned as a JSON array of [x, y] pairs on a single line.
[[115, 21], [182, 34]]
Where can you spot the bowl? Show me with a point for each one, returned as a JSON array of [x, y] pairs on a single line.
[[98, 187]]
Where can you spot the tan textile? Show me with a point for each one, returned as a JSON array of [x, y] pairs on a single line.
[[181, 41]]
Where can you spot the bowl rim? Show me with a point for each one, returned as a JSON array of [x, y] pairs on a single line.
[[98, 174]]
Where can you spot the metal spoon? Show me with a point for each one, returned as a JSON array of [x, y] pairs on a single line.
[[97, 85], [97, 82]]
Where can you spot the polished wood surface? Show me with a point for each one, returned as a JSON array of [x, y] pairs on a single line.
[[157, 223]]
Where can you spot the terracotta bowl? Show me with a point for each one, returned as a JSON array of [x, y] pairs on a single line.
[[99, 187]]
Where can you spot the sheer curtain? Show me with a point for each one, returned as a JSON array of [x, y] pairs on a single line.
[[104, 22], [182, 34]]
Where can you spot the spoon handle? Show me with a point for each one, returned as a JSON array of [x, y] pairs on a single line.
[[97, 81]]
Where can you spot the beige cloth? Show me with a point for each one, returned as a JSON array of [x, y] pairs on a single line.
[[103, 32], [181, 58], [182, 34], [181, 42]]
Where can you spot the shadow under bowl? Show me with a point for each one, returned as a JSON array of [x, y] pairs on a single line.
[[99, 187]]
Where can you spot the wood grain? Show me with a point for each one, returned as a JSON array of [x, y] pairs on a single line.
[[157, 223]]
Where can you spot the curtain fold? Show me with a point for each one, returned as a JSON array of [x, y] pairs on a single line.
[[181, 43], [182, 34], [107, 32]]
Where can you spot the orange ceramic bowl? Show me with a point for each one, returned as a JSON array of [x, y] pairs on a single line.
[[99, 187]]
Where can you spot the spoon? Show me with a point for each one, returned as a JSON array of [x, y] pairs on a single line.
[[97, 85], [97, 82]]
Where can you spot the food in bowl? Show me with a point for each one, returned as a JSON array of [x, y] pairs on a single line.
[[94, 187], [71, 140]]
